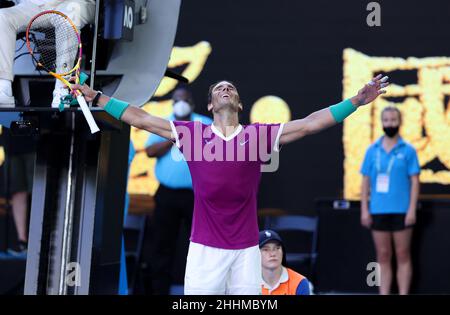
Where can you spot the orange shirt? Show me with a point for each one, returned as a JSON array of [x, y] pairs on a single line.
[[287, 284]]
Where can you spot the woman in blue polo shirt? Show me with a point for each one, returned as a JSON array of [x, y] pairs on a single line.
[[391, 175]]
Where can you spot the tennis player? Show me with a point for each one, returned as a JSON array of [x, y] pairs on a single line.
[[225, 160]]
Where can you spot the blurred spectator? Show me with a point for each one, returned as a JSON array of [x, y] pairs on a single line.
[[123, 278], [20, 153], [391, 174]]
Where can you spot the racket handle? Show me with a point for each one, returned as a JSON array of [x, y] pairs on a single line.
[[87, 114]]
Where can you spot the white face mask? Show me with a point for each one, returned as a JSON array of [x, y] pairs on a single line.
[[181, 109]]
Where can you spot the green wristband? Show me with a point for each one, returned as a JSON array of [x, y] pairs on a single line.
[[116, 108], [83, 77], [342, 110]]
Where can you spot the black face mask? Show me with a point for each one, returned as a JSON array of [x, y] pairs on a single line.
[[391, 131]]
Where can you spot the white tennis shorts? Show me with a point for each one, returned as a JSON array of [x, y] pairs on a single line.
[[216, 271]]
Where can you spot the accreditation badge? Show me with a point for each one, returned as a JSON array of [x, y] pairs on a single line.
[[382, 183]]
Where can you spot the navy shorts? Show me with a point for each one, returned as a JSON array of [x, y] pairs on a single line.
[[21, 168], [389, 222]]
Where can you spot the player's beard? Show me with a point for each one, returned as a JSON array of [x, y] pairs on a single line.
[[231, 105]]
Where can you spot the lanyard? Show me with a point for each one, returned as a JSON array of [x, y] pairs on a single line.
[[391, 161]]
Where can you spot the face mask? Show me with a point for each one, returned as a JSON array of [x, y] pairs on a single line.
[[181, 109], [390, 131]]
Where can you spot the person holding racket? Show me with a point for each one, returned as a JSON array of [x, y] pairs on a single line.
[[54, 44], [225, 160], [15, 19]]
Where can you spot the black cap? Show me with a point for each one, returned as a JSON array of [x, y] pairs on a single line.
[[266, 236]]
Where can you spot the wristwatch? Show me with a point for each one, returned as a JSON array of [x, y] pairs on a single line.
[[96, 98]]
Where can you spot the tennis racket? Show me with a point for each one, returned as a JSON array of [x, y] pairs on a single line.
[[54, 43]]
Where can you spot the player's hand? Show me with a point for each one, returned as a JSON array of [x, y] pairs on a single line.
[[88, 93], [371, 91], [366, 219], [410, 218]]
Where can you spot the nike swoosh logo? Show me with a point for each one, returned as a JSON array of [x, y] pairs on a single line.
[[242, 143]]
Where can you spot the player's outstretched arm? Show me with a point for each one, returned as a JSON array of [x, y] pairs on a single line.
[[132, 115], [334, 114]]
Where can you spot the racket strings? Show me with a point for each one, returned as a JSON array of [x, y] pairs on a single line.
[[56, 44]]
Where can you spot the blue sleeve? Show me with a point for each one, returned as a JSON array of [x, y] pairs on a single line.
[[413, 163], [131, 153], [207, 120], [203, 119], [154, 139], [367, 164], [303, 288]]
